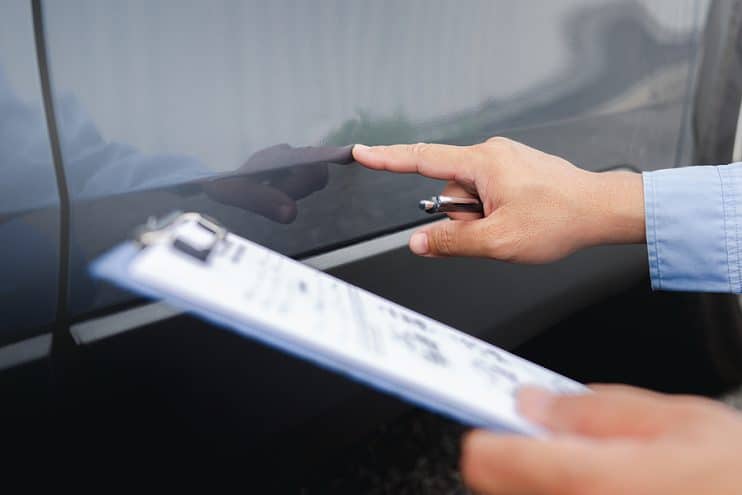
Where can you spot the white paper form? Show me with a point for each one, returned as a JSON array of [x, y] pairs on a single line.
[[263, 294]]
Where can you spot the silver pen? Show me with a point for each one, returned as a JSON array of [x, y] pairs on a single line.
[[450, 204]]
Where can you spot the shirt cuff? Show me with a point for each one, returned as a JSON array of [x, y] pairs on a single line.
[[693, 226]]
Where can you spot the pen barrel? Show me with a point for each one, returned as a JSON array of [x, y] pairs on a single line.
[[460, 208]]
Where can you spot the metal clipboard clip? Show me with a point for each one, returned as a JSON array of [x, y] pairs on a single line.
[[157, 231]]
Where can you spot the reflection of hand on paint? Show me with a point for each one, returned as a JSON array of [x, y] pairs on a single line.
[[273, 179]]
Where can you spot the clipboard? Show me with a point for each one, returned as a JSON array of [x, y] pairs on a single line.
[[192, 262]]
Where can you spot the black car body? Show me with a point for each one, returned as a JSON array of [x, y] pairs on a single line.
[[119, 108]]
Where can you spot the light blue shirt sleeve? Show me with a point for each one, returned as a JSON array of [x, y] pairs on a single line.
[[694, 228]]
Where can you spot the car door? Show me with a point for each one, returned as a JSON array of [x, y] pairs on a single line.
[[30, 233], [156, 100]]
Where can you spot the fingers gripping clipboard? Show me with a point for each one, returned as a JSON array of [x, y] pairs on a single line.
[[192, 262]]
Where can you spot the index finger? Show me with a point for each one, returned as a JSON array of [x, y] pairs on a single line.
[[437, 161]]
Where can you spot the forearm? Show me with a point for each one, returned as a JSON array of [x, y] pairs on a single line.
[[689, 217], [615, 209]]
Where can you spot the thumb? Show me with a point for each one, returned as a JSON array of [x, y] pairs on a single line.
[[612, 411], [506, 465], [451, 238]]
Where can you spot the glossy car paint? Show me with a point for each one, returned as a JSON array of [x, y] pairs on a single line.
[[29, 227], [602, 83], [207, 85]]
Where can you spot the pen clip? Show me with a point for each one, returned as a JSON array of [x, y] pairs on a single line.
[[156, 231]]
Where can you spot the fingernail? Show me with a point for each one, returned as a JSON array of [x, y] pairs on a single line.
[[535, 403], [361, 147], [419, 243]]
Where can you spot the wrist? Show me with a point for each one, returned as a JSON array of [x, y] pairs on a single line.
[[616, 209]]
